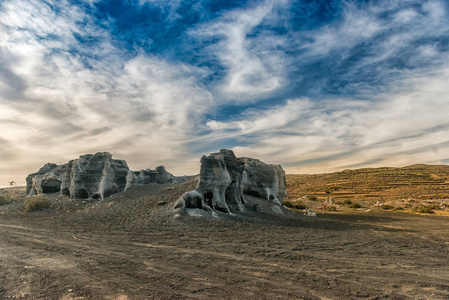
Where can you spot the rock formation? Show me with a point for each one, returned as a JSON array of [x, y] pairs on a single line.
[[92, 176], [30, 189], [158, 175], [224, 179], [263, 180]]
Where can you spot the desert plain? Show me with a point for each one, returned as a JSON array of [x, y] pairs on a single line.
[[129, 246]]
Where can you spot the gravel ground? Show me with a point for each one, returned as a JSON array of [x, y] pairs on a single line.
[[129, 246]]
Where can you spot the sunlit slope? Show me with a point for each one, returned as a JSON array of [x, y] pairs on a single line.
[[423, 182]]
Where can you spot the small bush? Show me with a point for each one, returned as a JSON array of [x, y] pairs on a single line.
[[355, 205], [424, 210], [300, 205], [312, 198], [434, 207], [5, 200], [387, 207], [398, 208], [331, 208], [347, 202], [36, 203]]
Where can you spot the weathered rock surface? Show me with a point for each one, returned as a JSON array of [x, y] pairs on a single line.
[[29, 180], [92, 176], [224, 179], [263, 180], [159, 175]]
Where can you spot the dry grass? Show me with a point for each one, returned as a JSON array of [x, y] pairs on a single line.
[[5, 199], [9, 195], [402, 189], [36, 203]]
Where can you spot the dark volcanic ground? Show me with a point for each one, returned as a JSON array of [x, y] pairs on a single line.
[[129, 247]]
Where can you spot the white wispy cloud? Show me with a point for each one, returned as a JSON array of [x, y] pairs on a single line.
[[253, 66], [85, 97], [408, 126], [357, 24], [401, 125], [67, 87], [388, 30]]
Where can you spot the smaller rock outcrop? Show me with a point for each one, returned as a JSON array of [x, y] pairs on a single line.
[[97, 176], [92, 176], [31, 189], [158, 175], [224, 179]]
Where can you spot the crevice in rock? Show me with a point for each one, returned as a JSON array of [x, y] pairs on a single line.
[[208, 198]]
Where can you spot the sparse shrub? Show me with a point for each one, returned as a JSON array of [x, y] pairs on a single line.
[[347, 202], [423, 210], [300, 205], [288, 204], [36, 203], [355, 205], [398, 208], [387, 207], [331, 208], [5, 200], [434, 207]]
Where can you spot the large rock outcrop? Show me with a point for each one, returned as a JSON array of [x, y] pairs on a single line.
[[224, 179], [91, 176]]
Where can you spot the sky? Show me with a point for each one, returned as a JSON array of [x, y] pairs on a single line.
[[316, 86]]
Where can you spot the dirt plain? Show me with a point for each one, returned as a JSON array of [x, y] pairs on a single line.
[[129, 246]]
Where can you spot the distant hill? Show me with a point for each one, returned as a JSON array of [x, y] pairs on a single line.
[[421, 182]]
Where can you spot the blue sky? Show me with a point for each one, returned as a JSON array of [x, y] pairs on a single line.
[[317, 86]]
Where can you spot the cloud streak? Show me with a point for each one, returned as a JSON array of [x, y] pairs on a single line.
[[253, 66], [336, 134], [345, 85], [144, 102]]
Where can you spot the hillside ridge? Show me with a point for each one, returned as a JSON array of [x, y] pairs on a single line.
[[418, 181]]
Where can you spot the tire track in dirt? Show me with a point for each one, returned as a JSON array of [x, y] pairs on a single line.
[[335, 257]]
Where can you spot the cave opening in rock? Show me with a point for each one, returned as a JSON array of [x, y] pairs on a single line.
[[208, 197], [82, 194], [193, 201], [253, 193], [96, 196], [51, 186], [271, 197], [66, 191]]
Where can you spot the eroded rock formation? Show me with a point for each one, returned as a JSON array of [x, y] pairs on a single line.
[[158, 175], [38, 176], [92, 176], [263, 180], [224, 179]]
